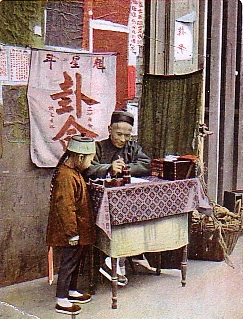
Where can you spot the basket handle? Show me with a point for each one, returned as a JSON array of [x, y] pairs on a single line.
[[238, 207]]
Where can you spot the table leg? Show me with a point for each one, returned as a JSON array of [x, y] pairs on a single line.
[[184, 266], [159, 263], [114, 280], [92, 269]]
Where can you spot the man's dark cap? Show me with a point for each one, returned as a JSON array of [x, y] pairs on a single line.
[[122, 116]]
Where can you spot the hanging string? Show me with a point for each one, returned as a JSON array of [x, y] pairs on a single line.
[[173, 46]]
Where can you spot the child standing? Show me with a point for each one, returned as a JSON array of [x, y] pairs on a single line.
[[71, 223]]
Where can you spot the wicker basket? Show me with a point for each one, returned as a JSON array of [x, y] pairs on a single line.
[[213, 238]]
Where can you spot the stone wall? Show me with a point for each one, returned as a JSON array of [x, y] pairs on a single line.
[[24, 196]]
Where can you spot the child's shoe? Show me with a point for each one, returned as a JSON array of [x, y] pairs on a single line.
[[73, 310]]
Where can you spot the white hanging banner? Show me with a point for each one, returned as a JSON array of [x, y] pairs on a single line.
[[136, 26], [3, 64], [183, 41], [68, 93], [14, 64]]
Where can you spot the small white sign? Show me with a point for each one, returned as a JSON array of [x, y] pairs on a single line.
[[37, 30], [183, 41]]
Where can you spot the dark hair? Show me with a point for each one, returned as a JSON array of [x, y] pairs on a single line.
[[60, 162]]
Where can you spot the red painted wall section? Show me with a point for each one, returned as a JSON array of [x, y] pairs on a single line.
[[111, 41], [115, 42], [112, 10], [131, 81]]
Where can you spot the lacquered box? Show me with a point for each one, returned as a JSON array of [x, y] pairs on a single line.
[[179, 169], [157, 167]]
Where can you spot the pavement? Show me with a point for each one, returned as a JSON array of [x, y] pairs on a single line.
[[213, 290]]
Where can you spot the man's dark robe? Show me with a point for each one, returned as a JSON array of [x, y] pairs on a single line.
[[106, 153]]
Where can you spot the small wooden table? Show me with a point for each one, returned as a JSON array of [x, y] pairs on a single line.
[[150, 216]]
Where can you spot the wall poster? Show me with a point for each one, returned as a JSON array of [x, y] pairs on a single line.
[[68, 93]]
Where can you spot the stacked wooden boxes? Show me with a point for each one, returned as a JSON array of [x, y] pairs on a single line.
[[181, 168]]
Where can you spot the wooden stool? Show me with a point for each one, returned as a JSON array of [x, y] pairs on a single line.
[[171, 259]]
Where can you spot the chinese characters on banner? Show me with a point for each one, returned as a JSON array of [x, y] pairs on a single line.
[[136, 28], [19, 64], [3, 65], [68, 94], [183, 41], [136, 25], [14, 64]]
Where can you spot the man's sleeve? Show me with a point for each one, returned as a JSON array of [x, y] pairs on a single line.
[[96, 169], [140, 162]]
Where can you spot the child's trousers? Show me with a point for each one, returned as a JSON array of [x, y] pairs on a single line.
[[68, 270]]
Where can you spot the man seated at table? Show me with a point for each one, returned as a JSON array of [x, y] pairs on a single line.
[[119, 149], [112, 154]]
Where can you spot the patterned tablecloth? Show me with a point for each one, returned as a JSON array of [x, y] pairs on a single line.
[[153, 199]]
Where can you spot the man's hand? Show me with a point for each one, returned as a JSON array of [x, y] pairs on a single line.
[[117, 166]]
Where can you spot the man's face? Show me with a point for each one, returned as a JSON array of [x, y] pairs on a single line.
[[120, 133]]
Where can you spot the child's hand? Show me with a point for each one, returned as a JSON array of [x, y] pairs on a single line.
[[73, 241]]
